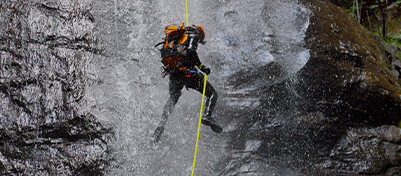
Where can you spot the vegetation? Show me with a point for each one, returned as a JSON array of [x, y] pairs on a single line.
[[381, 17]]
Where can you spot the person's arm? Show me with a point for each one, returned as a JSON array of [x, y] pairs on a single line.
[[193, 54], [191, 50]]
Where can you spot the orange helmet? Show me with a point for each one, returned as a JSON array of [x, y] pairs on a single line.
[[201, 32], [173, 29]]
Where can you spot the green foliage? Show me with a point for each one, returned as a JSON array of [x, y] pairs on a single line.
[[374, 6], [380, 31], [390, 40], [397, 43], [394, 5], [398, 55], [395, 40], [372, 17]]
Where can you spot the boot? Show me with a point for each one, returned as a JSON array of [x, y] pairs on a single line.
[[209, 121]]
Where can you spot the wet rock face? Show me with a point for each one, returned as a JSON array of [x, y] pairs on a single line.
[[350, 78], [335, 116], [367, 151], [349, 70], [44, 47]]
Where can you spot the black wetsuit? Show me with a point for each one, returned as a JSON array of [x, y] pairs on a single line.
[[179, 79]]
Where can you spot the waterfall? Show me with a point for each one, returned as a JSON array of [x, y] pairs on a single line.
[[251, 45]]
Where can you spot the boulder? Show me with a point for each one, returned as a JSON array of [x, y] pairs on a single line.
[[351, 78], [349, 73], [366, 150]]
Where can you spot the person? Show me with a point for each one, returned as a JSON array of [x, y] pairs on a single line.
[[180, 59]]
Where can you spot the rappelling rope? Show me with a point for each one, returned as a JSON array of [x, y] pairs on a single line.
[[199, 124], [186, 12], [203, 100]]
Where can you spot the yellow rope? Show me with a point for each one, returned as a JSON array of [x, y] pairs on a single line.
[[199, 124], [186, 12], [203, 100]]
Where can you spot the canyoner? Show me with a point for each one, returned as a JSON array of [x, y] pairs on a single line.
[[182, 64]]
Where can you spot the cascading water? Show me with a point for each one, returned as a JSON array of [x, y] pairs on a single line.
[[251, 46]]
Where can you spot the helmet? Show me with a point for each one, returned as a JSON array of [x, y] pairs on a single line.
[[173, 29], [201, 31]]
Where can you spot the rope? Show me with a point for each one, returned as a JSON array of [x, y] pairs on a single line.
[[199, 124], [203, 100], [186, 12]]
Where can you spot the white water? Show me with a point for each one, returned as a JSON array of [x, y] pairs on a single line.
[[128, 93]]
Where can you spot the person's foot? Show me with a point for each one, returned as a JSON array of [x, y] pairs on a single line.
[[209, 121], [157, 134]]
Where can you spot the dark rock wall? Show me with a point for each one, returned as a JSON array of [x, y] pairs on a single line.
[[44, 47], [336, 116], [349, 69], [350, 78], [347, 98], [367, 150]]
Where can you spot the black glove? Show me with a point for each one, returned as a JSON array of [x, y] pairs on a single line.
[[205, 69]]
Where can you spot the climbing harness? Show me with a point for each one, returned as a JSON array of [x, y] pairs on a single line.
[[191, 73]]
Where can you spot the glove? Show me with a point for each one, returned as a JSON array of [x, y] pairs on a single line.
[[205, 69]]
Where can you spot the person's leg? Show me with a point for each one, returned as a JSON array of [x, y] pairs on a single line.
[[175, 87], [211, 95], [175, 93], [211, 98]]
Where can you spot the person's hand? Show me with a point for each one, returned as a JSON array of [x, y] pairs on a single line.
[[205, 69]]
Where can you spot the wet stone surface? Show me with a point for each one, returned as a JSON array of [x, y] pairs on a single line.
[[303, 90], [335, 116], [367, 151], [44, 47]]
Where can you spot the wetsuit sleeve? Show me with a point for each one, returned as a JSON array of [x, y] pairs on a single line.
[[191, 50]]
